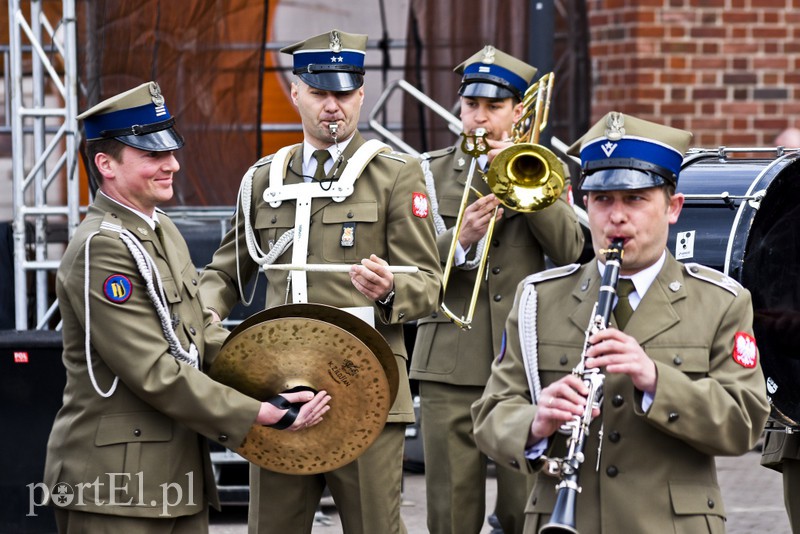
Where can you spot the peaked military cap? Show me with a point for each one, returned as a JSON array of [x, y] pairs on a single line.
[[138, 117], [623, 152], [491, 73], [332, 61]]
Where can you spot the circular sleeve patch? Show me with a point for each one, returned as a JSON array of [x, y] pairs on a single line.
[[117, 288]]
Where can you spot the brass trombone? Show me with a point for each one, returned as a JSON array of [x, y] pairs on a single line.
[[525, 177]]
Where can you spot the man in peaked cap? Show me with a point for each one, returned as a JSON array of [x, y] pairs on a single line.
[[339, 199], [452, 364], [682, 377], [136, 339]]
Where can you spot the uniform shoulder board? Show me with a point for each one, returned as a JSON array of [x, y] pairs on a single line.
[[110, 225], [263, 161], [552, 274], [701, 272], [437, 153], [397, 156]]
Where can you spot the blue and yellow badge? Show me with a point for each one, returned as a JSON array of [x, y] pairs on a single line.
[[117, 288]]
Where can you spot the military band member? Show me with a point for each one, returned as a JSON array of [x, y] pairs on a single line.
[[682, 378], [136, 338], [452, 364], [341, 200]]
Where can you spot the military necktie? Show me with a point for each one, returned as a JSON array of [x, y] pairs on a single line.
[[160, 234], [321, 156], [623, 310]]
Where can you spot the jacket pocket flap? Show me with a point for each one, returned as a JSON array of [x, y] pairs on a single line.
[[354, 212], [281, 217], [696, 499], [132, 427]]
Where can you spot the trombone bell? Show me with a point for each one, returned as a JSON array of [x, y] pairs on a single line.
[[526, 177]]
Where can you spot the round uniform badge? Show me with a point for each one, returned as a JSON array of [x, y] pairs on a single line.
[[117, 288]]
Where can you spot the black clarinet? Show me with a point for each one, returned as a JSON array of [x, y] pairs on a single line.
[[563, 517]]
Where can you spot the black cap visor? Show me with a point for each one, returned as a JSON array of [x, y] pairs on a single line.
[[485, 90], [333, 81], [160, 141], [620, 180]]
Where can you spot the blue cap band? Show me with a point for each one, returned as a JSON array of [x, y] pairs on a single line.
[[497, 71], [658, 154], [125, 118], [354, 59]]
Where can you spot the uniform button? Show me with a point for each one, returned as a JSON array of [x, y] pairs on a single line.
[[673, 416], [612, 471], [176, 295], [434, 315], [496, 270], [192, 330], [514, 464], [694, 269], [114, 215], [614, 437], [677, 360], [349, 214], [495, 242], [137, 432], [563, 360], [498, 298], [617, 401], [223, 437], [711, 503], [533, 501], [194, 281], [274, 219]]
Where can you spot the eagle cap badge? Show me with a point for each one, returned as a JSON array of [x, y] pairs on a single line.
[[615, 126], [336, 42], [488, 55]]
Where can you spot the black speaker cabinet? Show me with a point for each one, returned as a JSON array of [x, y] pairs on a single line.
[[32, 380]]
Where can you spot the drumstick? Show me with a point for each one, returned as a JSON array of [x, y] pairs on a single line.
[[335, 268]]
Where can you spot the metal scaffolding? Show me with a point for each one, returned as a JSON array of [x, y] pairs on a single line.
[[42, 67]]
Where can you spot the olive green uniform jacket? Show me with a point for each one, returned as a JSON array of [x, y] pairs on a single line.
[[385, 225], [147, 430], [656, 470], [444, 352]]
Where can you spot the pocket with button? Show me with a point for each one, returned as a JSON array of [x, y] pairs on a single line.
[[369, 237]]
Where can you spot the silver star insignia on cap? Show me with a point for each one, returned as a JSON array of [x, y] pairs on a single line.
[[336, 42], [615, 126], [674, 286], [461, 162]]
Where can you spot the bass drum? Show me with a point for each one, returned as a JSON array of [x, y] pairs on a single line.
[[742, 217]]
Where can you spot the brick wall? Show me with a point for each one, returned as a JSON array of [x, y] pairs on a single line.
[[727, 70]]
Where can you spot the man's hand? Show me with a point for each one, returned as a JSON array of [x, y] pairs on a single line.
[[309, 415], [497, 145], [476, 220], [618, 352], [559, 403], [372, 279]]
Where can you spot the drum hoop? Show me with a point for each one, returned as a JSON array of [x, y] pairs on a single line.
[[751, 210]]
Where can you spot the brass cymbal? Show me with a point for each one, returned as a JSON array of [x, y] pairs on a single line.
[[324, 348]]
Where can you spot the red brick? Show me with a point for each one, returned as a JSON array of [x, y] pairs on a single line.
[[739, 78], [715, 93]]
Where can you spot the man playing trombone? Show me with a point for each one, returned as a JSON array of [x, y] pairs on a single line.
[[334, 200], [682, 381], [451, 363]]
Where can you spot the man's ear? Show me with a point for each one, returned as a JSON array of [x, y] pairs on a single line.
[[518, 109], [105, 165]]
